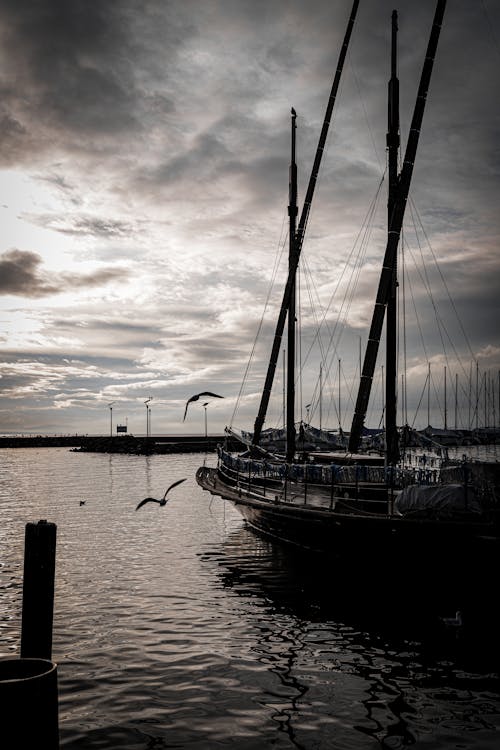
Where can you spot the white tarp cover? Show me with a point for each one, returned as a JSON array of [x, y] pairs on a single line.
[[441, 500]]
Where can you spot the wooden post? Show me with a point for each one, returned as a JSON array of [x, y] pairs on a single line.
[[38, 590]]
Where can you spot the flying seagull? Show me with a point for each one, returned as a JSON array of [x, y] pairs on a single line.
[[163, 501], [196, 397]]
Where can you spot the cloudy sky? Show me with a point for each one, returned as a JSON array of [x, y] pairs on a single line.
[[143, 189]]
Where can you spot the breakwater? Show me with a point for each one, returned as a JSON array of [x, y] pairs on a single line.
[[117, 444]]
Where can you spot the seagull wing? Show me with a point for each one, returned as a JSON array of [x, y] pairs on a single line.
[[190, 400], [147, 500], [196, 397], [179, 481]]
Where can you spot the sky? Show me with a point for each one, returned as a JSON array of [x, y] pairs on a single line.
[[144, 152]]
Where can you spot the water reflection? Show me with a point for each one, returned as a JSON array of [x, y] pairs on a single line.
[[378, 635]]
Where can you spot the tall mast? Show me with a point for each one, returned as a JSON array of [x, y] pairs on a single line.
[[393, 140], [292, 214], [395, 226], [266, 393]]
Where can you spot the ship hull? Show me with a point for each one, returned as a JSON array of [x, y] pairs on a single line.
[[361, 534]]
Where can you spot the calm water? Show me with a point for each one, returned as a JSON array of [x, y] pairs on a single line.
[[177, 627]]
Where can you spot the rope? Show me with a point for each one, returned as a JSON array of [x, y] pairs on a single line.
[[278, 256]]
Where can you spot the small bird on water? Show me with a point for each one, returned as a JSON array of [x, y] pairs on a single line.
[[163, 501], [453, 622]]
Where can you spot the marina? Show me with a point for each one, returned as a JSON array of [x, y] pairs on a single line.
[[250, 438]]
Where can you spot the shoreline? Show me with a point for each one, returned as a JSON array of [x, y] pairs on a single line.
[[119, 444]]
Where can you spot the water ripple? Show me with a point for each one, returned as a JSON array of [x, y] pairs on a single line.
[[178, 627]]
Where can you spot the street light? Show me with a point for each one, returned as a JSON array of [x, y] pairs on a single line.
[[205, 407], [148, 412], [111, 417]]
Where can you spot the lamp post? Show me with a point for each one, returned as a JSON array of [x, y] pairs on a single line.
[[148, 412], [205, 407], [111, 418]]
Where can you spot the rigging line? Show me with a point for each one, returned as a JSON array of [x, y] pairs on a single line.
[[361, 258], [343, 312], [440, 323], [360, 243], [413, 207], [465, 392], [427, 285], [436, 395], [361, 98], [310, 283], [312, 208], [415, 309], [379, 385], [310, 286], [350, 385], [373, 408], [318, 324], [365, 230], [417, 317], [277, 262], [420, 401], [346, 304], [491, 29]]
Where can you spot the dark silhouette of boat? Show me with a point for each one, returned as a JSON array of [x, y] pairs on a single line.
[[350, 501]]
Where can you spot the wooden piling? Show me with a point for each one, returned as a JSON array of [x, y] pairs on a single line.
[[38, 590]]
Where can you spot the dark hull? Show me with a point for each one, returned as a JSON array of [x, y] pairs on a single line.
[[359, 534]]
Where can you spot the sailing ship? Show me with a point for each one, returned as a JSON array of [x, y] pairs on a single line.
[[337, 501]]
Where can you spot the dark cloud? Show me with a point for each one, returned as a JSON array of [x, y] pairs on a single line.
[[21, 274], [90, 280], [71, 73], [84, 225]]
